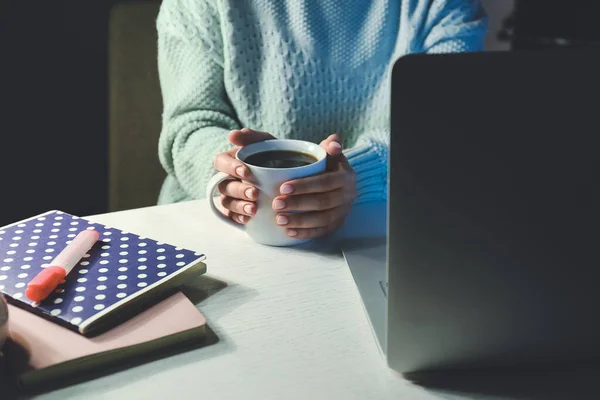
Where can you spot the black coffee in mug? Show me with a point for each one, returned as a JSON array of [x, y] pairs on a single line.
[[280, 159]]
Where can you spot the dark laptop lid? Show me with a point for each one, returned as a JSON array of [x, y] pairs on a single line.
[[494, 228]]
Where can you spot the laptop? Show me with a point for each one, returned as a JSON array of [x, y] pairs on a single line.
[[491, 251]]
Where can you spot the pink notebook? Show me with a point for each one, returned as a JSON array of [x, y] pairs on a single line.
[[40, 351]]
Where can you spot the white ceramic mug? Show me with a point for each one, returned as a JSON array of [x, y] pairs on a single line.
[[262, 227]]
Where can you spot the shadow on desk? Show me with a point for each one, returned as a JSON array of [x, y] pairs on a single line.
[[572, 383], [201, 288], [197, 291]]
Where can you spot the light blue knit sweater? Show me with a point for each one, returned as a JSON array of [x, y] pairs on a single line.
[[295, 68]]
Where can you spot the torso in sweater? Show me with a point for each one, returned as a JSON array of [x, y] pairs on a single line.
[[296, 69], [302, 71]]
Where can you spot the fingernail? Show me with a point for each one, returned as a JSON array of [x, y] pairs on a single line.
[[292, 232], [249, 193], [279, 204], [241, 171], [335, 145], [242, 218], [282, 220], [248, 209], [287, 189]]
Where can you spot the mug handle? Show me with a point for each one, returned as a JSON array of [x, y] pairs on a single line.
[[213, 183]]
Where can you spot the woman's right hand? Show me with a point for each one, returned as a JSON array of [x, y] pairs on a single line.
[[237, 198]]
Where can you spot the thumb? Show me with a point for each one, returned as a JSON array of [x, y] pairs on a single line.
[[246, 136], [332, 145]]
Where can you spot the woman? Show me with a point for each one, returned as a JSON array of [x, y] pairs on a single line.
[[234, 72]]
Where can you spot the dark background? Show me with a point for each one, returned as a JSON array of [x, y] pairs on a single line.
[[53, 96], [53, 93]]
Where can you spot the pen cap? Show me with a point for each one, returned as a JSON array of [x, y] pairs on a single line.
[[44, 283]]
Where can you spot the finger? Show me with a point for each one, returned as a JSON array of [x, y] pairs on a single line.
[[238, 190], [237, 218], [238, 206], [316, 219], [227, 163], [246, 136], [317, 184], [333, 145], [310, 233], [312, 201]]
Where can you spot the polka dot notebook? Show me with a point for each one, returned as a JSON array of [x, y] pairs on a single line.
[[119, 268]]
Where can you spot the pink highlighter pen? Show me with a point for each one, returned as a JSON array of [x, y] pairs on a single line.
[[47, 280]]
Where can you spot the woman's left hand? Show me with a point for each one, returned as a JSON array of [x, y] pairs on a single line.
[[325, 200]]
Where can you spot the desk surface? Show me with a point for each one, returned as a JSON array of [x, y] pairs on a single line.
[[289, 323]]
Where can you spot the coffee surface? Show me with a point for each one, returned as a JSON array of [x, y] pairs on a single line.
[[280, 159]]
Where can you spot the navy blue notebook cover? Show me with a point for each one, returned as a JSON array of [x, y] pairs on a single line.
[[120, 268]]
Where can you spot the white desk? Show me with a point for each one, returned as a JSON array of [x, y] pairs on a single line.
[[290, 324]]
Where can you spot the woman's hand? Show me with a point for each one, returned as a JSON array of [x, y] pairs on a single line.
[[324, 199], [237, 198]]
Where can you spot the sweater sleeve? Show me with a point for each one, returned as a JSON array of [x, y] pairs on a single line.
[[454, 26], [450, 26], [197, 115], [369, 158]]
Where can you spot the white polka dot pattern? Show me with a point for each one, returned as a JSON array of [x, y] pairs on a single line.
[[111, 272]]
